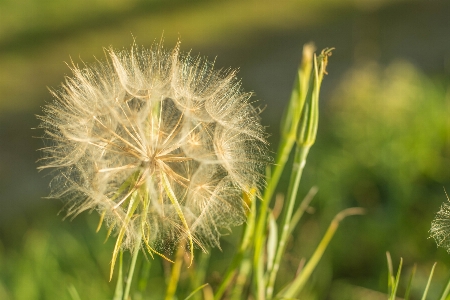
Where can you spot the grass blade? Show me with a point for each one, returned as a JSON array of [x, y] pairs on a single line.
[[195, 291], [446, 291], [396, 280], [408, 288], [272, 239], [73, 292], [297, 285], [429, 282]]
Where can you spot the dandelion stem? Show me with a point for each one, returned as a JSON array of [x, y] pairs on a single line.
[[198, 275], [118, 293], [175, 274], [237, 259], [131, 271], [299, 163], [241, 279]]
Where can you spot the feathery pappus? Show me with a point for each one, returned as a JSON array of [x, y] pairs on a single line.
[[160, 143]]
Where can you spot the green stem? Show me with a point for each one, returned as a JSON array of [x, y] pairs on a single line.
[[446, 291], [195, 292], [241, 279], [302, 208], [428, 283], [301, 154], [296, 286], [175, 275], [289, 129], [239, 256], [118, 293], [284, 151], [131, 271], [198, 274]]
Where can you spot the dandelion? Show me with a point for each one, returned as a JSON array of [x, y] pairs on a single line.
[[159, 143], [440, 227]]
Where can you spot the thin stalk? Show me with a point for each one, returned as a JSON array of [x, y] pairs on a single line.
[[144, 275], [429, 282], [229, 276], [289, 129], [301, 154], [260, 280], [194, 292], [396, 280], [118, 293], [175, 274], [446, 291], [73, 292], [244, 244], [241, 279], [391, 279], [131, 271], [284, 150], [296, 286], [302, 208], [411, 277], [198, 274], [305, 138]]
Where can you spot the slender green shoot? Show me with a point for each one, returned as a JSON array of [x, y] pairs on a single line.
[[175, 274], [73, 292], [425, 292], [289, 127], [244, 245], [198, 274], [305, 138], [294, 288], [196, 291], [393, 281], [118, 293], [131, 271], [302, 208], [446, 291], [408, 288], [241, 279]]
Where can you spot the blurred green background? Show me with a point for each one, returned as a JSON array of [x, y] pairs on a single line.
[[383, 141]]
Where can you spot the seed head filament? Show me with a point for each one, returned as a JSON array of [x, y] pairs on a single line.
[[160, 143]]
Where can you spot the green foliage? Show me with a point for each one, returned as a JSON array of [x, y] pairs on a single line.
[[56, 263], [394, 280], [384, 146]]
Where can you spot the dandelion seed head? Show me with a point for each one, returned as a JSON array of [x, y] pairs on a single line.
[[440, 226], [160, 143]]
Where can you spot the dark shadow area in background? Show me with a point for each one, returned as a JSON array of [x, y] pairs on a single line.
[[36, 36]]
